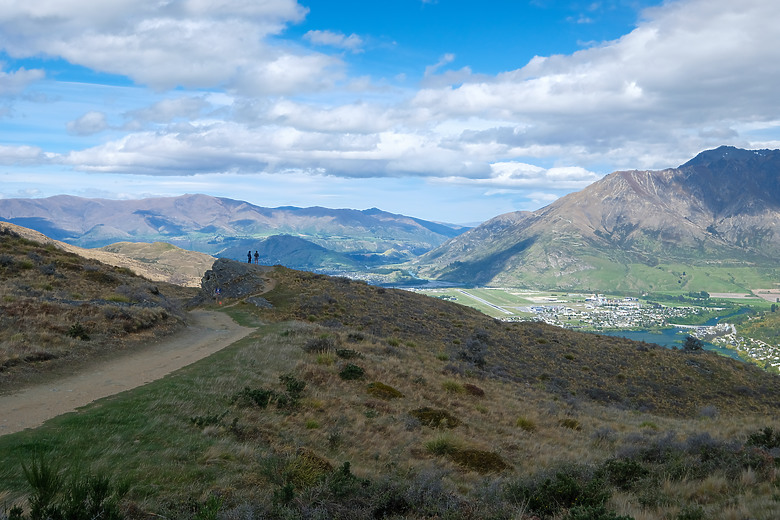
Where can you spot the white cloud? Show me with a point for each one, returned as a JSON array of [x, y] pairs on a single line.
[[443, 61], [90, 123], [21, 155], [360, 118], [169, 110], [505, 176], [693, 74], [192, 44], [689, 65], [15, 82], [353, 42]]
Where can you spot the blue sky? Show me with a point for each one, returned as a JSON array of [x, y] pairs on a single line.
[[448, 110]]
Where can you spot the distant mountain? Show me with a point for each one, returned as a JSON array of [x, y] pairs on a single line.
[[212, 225], [700, 226]]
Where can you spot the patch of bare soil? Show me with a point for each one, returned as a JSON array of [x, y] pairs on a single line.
[[207, 333], [770, 295]]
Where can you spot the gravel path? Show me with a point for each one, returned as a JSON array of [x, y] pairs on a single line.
[[207, 333]]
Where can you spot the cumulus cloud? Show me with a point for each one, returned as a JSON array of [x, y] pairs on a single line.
[[692, 75], [690, 65], [517, 175], [21, 155], [353, 42], [90, 123], [192, 44], [235, 147], [361, 118], [12, 83]]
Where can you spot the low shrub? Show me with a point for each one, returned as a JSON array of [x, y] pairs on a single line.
[[78, 331], [383, 391], [259, 396], [473, 390], [435, 418], [479, 460], [549, 496], [691, 512], [347, 353], [623, 473], [293, 385], [766, 438], [351, 372], [202, 421], [355, 337], [599, 512]]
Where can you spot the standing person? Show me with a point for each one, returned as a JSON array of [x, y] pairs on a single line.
[[257, 258], [249, 257]]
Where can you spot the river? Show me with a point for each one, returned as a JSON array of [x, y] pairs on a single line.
[[667, 338], [675, 337]]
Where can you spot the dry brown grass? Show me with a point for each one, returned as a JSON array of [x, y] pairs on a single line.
[[57, 309], [250, 453]]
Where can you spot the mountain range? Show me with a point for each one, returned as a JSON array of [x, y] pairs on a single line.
[[698, 226], [211, 224], [712, 224]]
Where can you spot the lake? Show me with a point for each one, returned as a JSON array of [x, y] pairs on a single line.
[[667, 338]]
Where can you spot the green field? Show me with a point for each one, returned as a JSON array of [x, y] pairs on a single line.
[[508, 303]]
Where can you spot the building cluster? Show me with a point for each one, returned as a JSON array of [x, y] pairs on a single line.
[[610, 314]]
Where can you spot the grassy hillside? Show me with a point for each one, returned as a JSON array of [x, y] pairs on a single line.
[[58, 308], [353, 401], [182, 267]]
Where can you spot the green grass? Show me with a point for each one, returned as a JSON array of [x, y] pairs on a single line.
[[427, 449], [146, 435]]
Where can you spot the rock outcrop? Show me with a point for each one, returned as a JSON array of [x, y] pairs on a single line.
[[229, 279]]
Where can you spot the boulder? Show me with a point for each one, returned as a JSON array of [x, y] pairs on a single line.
[[229, 279]]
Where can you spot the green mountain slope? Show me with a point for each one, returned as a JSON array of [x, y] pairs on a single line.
[[716, 217]]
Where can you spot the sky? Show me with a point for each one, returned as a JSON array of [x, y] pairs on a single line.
[[448, 110]]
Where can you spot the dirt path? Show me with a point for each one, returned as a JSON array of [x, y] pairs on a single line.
[[207, 333]]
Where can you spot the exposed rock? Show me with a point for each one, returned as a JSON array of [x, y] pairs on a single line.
[[231, 279]]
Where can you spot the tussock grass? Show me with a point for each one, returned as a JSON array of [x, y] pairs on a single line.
[[396, 456], [58, 309]]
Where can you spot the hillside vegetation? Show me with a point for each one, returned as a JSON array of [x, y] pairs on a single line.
[[58, 309], [180, 267], [354, 401]]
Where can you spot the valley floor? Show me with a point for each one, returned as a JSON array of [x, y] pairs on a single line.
[[600, 313]]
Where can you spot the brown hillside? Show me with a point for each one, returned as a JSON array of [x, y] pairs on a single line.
[[58, 308], [572, 365], [158, 262]]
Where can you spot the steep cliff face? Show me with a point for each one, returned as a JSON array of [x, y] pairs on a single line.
[[721, 208]]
